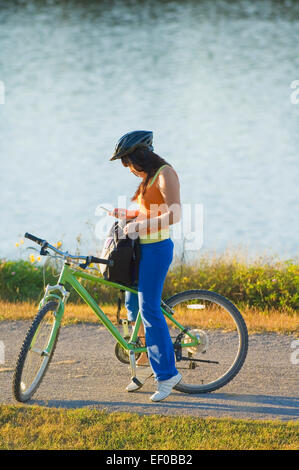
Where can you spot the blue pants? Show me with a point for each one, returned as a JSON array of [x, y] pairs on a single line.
[[155, 260]]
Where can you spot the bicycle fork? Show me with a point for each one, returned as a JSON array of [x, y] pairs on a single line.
[[58, 314]]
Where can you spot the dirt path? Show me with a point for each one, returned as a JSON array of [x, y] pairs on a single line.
[[86, 373]]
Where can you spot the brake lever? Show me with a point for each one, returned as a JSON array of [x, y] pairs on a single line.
[[43, 251], [87, 262], [32, 248]]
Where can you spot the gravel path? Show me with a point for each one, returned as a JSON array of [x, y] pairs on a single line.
[[86, 373]]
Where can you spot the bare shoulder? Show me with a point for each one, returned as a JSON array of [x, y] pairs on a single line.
[[169, 185], [168, 175]]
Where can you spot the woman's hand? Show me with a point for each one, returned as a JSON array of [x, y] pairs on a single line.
[[118, 213], [136, 227], [131, 228]]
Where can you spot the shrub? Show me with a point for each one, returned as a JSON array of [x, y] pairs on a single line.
[[260, 284]]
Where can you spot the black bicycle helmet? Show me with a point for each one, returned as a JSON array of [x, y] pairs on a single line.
[[132, 140]]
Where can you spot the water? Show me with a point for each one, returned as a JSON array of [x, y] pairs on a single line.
[[211, 79]]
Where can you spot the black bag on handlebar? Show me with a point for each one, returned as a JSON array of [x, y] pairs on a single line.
[[125, 253]]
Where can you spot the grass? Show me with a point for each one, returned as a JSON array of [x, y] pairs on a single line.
[[33, 427], [257, 320]]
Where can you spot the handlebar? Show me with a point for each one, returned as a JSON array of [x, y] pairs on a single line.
[[35, 239], [88, 259]]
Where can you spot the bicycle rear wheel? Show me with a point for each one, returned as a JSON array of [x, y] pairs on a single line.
[[222, 336], [33, 359]]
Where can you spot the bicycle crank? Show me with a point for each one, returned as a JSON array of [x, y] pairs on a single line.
[[122, 354]]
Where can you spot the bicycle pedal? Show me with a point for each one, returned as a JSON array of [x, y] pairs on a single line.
[[125, 325]]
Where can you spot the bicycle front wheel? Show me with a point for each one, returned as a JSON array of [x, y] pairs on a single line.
[[35, 356], [222, 340]]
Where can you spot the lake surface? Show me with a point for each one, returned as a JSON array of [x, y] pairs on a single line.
[[212, 80]]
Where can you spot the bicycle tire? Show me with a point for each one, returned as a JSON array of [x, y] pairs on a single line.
[[17, 378], [242, 331]]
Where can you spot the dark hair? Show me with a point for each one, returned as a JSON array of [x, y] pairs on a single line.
[[144, 160]]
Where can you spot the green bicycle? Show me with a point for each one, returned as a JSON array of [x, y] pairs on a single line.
[[209, 352]]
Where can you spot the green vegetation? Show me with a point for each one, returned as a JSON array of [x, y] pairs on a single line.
[[33, 427], [263, 284]]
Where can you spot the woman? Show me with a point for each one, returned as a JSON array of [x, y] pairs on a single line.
[[158, 197]]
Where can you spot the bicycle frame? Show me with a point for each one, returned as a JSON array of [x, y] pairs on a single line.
[[40, 347], [69, 275]]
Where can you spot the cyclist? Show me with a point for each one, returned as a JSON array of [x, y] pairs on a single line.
[[158, 197]]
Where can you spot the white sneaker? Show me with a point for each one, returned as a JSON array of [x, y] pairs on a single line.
[[142, 374], [165, 387]]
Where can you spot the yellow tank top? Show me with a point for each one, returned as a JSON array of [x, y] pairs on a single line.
[[150, 205]]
